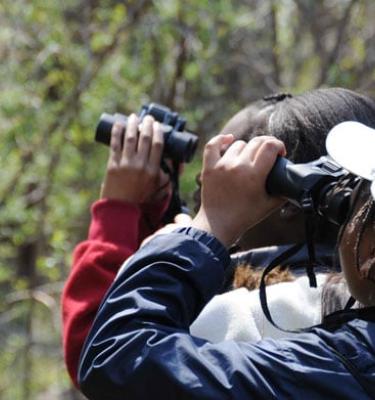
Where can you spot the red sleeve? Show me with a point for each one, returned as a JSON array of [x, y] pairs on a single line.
[[113, 237]]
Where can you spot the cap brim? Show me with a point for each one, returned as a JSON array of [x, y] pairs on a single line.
[[352, 145]]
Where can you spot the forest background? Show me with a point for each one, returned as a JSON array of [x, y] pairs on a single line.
[[63, 63]]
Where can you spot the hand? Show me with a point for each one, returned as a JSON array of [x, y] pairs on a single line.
[[180, 220], [133, 171], [234, 197]]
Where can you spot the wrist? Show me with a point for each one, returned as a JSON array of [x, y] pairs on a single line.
[[208, 240], [118, 192], [215, 227]]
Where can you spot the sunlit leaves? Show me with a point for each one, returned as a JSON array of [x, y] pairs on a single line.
[[63, 63]]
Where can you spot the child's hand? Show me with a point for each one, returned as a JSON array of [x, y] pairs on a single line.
[[179, 221], [234, 196], [133, 171]]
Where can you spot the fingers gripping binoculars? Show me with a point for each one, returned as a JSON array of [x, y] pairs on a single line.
[[179, 145]]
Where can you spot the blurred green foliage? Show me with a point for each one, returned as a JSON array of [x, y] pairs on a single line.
[[65, 62]]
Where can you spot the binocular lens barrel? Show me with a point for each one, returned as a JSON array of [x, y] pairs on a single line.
[[317, 179], [104, 128], [180, 145]]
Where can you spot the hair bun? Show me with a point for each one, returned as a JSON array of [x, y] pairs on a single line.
[[277, 97]]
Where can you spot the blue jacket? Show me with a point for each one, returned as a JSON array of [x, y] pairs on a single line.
[[140, 347]]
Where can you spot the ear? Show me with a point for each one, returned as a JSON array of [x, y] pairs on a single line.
[[289, 211]]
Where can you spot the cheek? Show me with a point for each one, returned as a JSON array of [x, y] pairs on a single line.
[[346, 253], [367, 246], [356, 244], [351, 252]]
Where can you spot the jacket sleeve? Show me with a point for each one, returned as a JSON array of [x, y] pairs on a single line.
[[140, 346], [113, 237]]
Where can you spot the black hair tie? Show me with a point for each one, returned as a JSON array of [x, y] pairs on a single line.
[[277, 97]]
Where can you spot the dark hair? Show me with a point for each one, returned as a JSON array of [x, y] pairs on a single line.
[[302, 122]]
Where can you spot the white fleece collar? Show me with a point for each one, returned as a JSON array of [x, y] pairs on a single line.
[[237, 315]]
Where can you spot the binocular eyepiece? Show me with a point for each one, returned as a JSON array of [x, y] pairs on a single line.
[[313, 183], [179, 145]]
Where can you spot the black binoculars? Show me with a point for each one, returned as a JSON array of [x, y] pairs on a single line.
[[313, 182], [179, 145]]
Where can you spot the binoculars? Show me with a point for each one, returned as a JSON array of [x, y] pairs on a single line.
[[179, 145], [314, 182]]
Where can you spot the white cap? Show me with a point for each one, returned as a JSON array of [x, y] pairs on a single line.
[[352, 145]]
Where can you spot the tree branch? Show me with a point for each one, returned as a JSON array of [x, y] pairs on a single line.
[[180, 61], [275, 45], [340, 34]]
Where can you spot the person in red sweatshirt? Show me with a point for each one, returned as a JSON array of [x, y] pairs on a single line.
[[134, 196]]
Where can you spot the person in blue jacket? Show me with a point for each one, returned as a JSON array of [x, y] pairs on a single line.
[[140, 347]]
